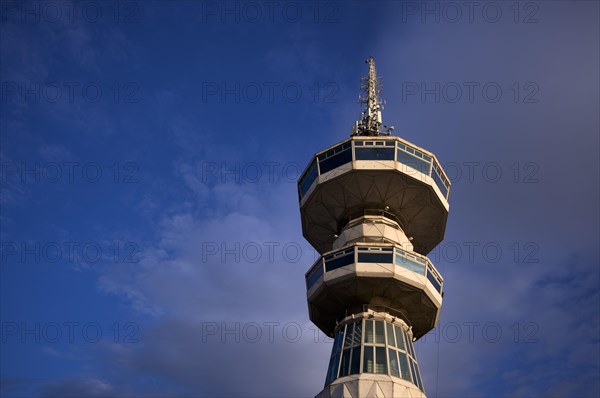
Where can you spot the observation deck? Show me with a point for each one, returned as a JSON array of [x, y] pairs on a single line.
[[378, 274], [382, 172]]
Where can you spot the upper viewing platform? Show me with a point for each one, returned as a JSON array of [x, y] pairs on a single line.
[[374, 172]]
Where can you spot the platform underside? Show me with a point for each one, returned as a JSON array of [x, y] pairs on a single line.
[[414, 203]]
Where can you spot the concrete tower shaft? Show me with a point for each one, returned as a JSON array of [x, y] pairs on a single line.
[[373, 206], [375, 228]]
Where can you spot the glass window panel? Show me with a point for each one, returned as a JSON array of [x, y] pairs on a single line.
[[329, 378], [334, 161], [338, 262], [332, 374], [379, 153], [374, 257], [369, 331], [409, 264], [355, 362], [414, 162], [336, 366], [409, 345], [434, 281], [349, 335], [380, 360], [390, 334], [345, 364], [399, 339], [314, 274], [368, 360], [394, 367], [404, 366], [337, 345], [357, 333], [308, 178], [415, 375], [379, 333], [438, 181]]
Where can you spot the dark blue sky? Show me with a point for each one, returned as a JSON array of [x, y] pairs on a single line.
[[151, 243]]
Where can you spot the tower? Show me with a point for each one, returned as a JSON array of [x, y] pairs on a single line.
[[373, 206]]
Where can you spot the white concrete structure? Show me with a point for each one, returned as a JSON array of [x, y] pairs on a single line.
[[373, 206]]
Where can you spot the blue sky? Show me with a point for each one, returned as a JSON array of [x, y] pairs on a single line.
[[151, 243]]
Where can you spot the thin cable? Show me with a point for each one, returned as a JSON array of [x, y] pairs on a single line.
[[437, 372]]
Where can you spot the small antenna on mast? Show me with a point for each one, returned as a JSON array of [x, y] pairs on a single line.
[[370, 122]]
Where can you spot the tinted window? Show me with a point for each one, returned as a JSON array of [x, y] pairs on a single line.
[[399, 339], [380, 360], [357, 330], [374, 257], [390, 334], [434, 282], [369, 331], [314, 275], [379, 336], [415, 375], [338, 262], [410, 264], [415, 163], [409, 345], [438, 181], [394, 368], [334, 161], [366, 153], [309, 178], [368, 361], [355, 363], [404, 366], [349, 330], [345, 363]]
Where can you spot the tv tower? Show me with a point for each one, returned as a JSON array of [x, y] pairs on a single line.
[[373, 206]]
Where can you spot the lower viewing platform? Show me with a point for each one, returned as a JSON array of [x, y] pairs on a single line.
[[374, 253], [371, 273]]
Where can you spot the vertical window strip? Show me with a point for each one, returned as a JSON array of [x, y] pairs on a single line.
[[391, 340], [394, 367], [379, 332], [368, 360]]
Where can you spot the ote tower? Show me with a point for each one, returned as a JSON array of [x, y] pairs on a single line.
[[373, 206]]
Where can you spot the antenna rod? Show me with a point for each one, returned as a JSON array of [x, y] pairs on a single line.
[[372, 90], [370, 122]]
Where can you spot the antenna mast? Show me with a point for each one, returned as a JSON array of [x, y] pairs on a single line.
[[370, 122]]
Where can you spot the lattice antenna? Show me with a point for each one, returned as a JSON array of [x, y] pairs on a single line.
[[370, 122]]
